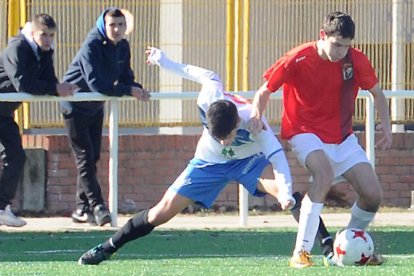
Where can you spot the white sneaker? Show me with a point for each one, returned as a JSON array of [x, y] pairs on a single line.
[[8, 218]]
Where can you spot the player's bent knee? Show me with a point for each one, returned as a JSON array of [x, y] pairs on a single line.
[[158, 216], [373, 197], [156, 219], [372, 202]]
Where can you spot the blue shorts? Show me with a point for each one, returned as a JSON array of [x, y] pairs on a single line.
[[202, 181]]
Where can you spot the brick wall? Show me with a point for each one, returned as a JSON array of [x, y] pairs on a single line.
[[148, 164]]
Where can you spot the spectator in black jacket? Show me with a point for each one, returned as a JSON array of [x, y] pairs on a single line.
[[101, 65], [26, 65]]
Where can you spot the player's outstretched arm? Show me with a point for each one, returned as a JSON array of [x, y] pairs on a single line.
[[187, 71]]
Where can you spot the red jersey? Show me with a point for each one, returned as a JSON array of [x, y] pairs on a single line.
[[319, 95]]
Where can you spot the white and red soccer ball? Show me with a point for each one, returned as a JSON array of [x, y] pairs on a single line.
[[353, 247]]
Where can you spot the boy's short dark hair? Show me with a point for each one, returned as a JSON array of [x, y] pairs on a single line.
[[222, 118], [114, 12], [339, 23], [43, 19]]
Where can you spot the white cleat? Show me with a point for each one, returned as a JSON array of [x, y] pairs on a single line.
[[8, 218]]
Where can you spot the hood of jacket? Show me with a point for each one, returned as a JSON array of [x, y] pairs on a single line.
[[100, 22], [26, 31]]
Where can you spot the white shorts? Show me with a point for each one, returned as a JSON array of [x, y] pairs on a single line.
[[341, 156]]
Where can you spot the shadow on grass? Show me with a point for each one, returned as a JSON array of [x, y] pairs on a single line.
[[180, 244]]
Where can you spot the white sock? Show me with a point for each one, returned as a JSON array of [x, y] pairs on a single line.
[[360, 218], [308, 224]]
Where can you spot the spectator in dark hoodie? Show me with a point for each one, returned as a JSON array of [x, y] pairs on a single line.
[[26, 65], [101, 65]]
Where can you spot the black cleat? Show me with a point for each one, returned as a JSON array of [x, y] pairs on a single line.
[[327, 246], [102, 215], [94, 256], [329, 258]]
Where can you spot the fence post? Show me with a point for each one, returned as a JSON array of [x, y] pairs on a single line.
[[398, 62], [370, 129], [113, 160]]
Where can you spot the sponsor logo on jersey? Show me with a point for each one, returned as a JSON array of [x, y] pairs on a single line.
[[299, 59]]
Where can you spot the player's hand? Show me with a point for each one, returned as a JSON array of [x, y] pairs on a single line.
[[288, 203], [255, 125], [66, 89], [386, 141], [153, 55], [140, 93]]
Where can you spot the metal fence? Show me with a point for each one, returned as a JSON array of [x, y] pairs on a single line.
[[114, 133], [206, 32]]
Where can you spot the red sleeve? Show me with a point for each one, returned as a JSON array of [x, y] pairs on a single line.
[[365, 74], [276, 75]]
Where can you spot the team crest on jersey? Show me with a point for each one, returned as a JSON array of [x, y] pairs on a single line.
[[347, 71], [228, 152]]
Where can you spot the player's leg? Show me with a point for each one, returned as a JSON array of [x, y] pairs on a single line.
[[365, 182], [312, 204], [261, 169], [267, 184], [310, 151], [145, 221], [138, 226], [323, 236], [310, 211], [197, 183]]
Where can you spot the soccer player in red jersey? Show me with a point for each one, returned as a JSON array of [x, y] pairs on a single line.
[[320, 82]]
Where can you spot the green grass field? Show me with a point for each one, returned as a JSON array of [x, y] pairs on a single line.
[[195, 252]]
